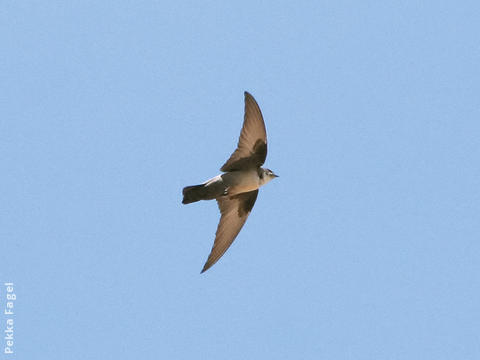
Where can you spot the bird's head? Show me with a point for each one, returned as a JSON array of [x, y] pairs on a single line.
[[267, 175]]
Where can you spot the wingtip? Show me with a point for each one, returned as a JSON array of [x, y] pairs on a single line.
[[206, 267]]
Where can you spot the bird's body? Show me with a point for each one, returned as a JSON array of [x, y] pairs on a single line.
[[230, 183], [237, 188], [241, 181]]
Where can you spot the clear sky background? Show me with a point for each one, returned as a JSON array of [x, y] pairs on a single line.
[[366, 247]]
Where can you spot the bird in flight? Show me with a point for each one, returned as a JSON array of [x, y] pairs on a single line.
[[236, 189]]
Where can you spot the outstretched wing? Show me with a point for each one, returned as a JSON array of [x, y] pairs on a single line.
[[234, 211], [251, 150]]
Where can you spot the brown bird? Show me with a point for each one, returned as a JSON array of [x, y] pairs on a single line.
[[237, 188]]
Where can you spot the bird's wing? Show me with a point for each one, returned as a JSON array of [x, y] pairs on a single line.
[[234, 211], [251, 150]]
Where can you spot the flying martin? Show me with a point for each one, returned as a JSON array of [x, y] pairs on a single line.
[[237, 188]]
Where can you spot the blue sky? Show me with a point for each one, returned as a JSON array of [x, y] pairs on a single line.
[[366, 247]]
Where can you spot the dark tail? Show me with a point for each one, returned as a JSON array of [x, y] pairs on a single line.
[[193, 193]]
